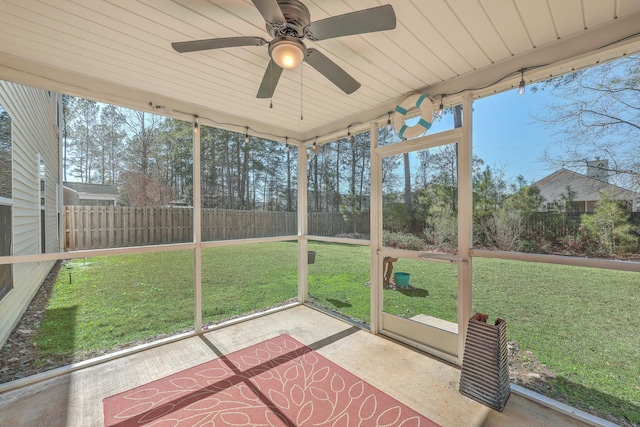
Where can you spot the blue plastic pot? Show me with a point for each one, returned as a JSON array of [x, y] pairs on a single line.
[[402, 279]]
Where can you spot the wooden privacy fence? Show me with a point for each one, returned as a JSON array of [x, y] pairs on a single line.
[[227, 224], [551, 224], [558, 225], [335, 223], [99, 227]]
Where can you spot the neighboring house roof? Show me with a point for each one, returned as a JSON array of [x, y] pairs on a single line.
[[81, 187], [586, 188]]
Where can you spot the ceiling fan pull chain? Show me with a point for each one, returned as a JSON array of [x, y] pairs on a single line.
[[301, 104]]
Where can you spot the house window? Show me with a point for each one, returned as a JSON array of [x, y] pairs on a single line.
[[573, 207], [551, 207], [6, 202], [58, 209], [5, 155], [42, 182], [43, 216]]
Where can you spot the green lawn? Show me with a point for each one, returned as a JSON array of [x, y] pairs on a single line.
[[581, 323], [118, 299], [125, 298], [338, 279]]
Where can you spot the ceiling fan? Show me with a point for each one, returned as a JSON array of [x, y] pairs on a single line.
[[288, 22]]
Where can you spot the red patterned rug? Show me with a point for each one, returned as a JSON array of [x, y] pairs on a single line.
[[279, 382]]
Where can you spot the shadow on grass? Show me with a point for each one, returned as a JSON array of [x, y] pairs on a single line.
[[57, 331], [338, 303], [414, 292], [584, 398]]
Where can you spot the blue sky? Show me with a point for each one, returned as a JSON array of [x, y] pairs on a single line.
[[507, 136]]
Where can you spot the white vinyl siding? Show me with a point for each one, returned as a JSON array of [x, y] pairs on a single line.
[[6, 212], [34, 131]]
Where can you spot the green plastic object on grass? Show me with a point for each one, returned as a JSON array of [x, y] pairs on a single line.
[[402, 279]]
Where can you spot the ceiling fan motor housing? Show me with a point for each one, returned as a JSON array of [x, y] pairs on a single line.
[[297, 16]]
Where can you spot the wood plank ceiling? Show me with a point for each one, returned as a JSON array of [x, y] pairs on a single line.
[[118, 48]]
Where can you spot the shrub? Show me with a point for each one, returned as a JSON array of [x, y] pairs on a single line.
[[403, 241], [352, 236], [607, 230], [441, 227], [503, 229]]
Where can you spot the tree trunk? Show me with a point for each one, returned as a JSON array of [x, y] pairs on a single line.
[[407, 185], [337, 191], [457, 123], [227, 160], [289, 195], [240, 173], [354, 161], [362, 172], [316, 189], [246, 186]]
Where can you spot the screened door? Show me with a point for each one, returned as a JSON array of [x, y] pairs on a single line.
[[418, 258]]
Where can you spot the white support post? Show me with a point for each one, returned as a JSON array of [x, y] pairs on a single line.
[[375, 231], [465, 223], [303, 268], [197, 228]]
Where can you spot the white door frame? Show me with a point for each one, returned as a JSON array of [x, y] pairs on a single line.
[[444, 344]]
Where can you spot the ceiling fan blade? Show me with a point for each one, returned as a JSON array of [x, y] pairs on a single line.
[[332, 71], [270, 11], [196, 45], [270, 80], [379, 18]]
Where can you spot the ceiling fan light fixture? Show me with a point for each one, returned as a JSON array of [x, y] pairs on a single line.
[[287, 53]]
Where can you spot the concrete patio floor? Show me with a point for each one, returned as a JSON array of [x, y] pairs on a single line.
[[427, 385]]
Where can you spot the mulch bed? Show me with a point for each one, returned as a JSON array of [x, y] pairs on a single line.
[[20, 356]]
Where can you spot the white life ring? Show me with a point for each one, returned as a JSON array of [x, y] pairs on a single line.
[[426, 115]]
